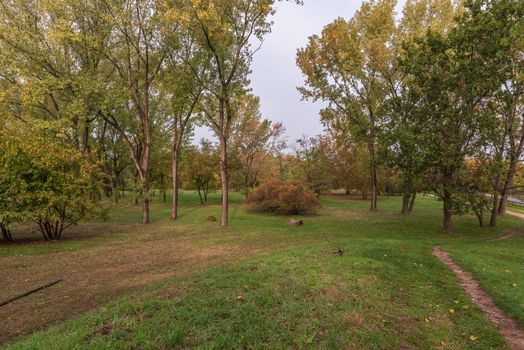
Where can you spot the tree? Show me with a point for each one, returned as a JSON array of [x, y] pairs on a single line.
[[226, 29], [312, 164], [253, 140], [203, 163], [186, 69], [509, 18], [347, 67], [137, 55], [453, 77]]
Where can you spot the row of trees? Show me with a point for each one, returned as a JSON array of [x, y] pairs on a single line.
[[435, 95], [101, 97]]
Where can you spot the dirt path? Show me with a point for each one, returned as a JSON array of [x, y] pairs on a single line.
[[506, 325], [514, 213]]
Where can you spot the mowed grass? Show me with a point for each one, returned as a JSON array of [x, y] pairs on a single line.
[[386, 291]]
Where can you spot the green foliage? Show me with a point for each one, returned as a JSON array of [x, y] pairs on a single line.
[[312, 167], [45, 180], [283, 197]]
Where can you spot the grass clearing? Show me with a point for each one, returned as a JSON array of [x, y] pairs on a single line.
[[267, 285]]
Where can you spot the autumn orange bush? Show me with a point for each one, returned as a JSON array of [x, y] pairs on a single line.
[[283, 197]]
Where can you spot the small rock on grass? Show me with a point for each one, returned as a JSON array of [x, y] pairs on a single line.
[[294, 222]]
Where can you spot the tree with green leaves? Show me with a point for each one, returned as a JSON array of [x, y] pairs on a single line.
[[347, 67], [453, 77], [44, 180], [227, 29]]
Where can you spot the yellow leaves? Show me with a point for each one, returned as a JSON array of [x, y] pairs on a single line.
[[451, 311], [514, 285], [472, 338]]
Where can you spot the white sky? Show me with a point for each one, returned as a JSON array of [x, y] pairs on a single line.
[[275, 76]]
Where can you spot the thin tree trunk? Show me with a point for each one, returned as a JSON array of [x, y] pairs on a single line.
[[448, 224], [495, 209], [514, 159], [200, 195], [224, 181], [406, 197], [175, 168], [373, 169], [412, 201], [508, 183], [145, 201], [480, 217]]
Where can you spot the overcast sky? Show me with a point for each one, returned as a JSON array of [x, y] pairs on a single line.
[[275, 75]]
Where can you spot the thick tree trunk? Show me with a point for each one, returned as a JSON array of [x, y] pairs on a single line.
[[373, 169], [224, 181]]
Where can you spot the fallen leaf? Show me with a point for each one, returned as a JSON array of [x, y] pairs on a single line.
[[472, 338], [452, 311]]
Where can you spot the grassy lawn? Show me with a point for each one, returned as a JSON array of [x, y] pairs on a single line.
[[262, 284]]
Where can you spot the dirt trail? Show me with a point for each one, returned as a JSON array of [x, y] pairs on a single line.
[[505, 324], [514, 213]]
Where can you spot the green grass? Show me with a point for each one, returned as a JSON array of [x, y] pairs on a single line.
[[385, 292]]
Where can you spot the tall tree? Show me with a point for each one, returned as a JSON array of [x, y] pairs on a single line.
[[453, 78], [137, 56], [227, 29], [186, 69], [346, 66]]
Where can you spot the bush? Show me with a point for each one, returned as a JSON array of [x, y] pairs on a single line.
[[45, 181], [283, 197]]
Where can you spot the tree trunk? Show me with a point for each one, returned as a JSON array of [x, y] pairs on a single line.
[[224, 181], [6, 233], [514, 159], [200, 195], [448, 224], [495, 209], [480, 217], [175, 169], [145, 201], [508, 183], [406, 197], [412, 201], [373, 169]]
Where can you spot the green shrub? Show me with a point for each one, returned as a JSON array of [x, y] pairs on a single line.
[[45, 181], [283, 197]]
